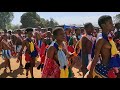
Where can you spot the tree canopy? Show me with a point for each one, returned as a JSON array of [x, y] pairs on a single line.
[[5, 19], [32, 19], [117, 18]]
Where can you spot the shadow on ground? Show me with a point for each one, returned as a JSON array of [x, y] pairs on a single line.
[[14, 74]]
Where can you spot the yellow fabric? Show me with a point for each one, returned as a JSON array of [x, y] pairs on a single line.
[[36, 58], [114, 50], [31, 46], [64, 73], [60, 47]]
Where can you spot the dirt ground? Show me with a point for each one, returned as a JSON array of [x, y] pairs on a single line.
[[20, 73]]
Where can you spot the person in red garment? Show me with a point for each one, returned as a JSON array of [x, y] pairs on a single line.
[[30, 53], [56, 61], [44, 46]]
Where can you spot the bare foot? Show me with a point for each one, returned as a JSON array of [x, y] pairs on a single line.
[[5, 70], [11, 71], [21, 67]]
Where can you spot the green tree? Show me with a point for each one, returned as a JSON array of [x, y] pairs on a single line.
[[43, 22], [117, 18], [47, 23], [16, 27], [30, 19], [52, 23], [5, 19], [13, 27], [9, 26], [56, 23]]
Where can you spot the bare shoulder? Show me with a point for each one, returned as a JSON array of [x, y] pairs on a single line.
[[51, 48], [100, 41], [83, 37], [51, 52]]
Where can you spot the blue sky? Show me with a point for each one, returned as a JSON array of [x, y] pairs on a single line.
[[68, 17]]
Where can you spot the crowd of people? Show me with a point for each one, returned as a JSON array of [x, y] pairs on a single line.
[[97, 49]]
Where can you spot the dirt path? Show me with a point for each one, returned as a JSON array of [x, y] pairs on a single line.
[[20, 73]]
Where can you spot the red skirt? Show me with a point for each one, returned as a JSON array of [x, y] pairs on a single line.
[[70, 49], [42, 59], [50, 69], [42, 53], [27, 57]]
